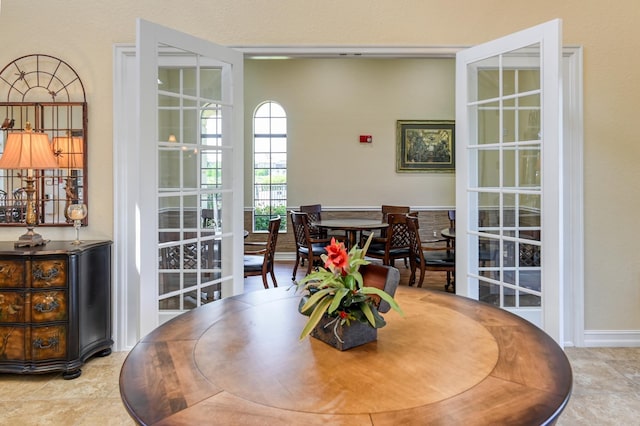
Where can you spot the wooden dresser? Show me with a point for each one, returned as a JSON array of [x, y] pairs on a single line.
[[55, 306]]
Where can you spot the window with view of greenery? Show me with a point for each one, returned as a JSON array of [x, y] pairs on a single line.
[[269, 165]]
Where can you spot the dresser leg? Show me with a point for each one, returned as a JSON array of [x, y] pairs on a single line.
[[73, 374], [104, 352]]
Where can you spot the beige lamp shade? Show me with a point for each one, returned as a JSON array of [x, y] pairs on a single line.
[[68, 152], [27, 150]]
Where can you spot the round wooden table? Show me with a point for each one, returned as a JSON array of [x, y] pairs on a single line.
[[450, 360], [351, 226]]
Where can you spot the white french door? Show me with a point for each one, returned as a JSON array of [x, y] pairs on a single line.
[[190, 217], [509, 187]]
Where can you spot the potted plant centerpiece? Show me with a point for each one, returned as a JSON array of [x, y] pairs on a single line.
[[343, 311]]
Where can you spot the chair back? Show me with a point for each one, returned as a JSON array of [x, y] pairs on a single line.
[[389, 209], [397, 235], [416, 256], [452, 219], [300, 223], [272, 239], [382, 277], [314, 214]]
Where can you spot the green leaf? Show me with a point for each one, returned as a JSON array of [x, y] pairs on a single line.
[[366, 309], [315, 298], [337, 298], [384, 296], [314, 318]]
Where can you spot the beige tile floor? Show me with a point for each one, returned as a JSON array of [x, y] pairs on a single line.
[[606, 392]]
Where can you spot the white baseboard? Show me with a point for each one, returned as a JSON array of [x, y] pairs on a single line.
[[612, 338]]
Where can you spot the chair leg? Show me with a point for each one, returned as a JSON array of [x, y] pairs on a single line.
[[295, 267], [264, 280], [273, 278], [421, 277]]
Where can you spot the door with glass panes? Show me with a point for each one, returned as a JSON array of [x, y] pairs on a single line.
[[191, 188], [509, 186]]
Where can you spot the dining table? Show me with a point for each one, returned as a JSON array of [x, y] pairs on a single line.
[[448, 360], [351, 226]]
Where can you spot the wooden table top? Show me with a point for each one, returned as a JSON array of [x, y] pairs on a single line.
[[351, 224], [449, 360]]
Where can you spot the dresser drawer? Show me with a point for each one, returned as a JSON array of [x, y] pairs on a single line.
[[48, 306], [49, 273], [11, 343], [11, 273], [11, 307], [48, 342]]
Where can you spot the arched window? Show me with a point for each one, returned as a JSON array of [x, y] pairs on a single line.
[[269, 165]]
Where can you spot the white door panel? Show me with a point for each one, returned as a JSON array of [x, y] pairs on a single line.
[[509, 177], [189, 227]]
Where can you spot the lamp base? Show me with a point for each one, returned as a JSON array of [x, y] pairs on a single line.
[[30, 239]]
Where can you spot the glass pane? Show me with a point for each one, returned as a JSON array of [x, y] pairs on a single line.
[[169, 257], [190, 128], [530, 280], [262, 145], [210, 254], [508, 82], [190, 215], [169, 80], [190, 255], [170, 304], [488, 124], [530, 209], [190, 300], [529, 163], [261, 126], [529, 80], [529, 255], [509, 168], [211, 83], [488, 79], [190, 168], [167, 208], [530, 122], [509, 297], [168, 124], [279, 126], [279, 144], [509, 210], [168, 169], [488, 168], [277, 110], [509, 254], [189, 82], [262, 160], [279, 161], [489, 293], [168, 101], [210, 293], [529, 300], [168, 282], [488, 213]]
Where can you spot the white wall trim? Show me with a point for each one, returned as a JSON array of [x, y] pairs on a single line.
[[611, 338]]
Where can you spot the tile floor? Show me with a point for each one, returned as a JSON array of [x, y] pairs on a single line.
[[606, 385]]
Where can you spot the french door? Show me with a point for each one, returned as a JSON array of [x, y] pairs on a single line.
[[190, 168], [509, 244]]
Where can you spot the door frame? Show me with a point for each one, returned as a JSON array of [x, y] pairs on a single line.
[[124, 264]]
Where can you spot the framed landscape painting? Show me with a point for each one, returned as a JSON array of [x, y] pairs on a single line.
[[425, 146]]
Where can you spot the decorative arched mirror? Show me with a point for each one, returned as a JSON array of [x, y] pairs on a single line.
[[43, 95]]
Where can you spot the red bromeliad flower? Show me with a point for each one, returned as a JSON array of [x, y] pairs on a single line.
[[337, 256], [343, 314]]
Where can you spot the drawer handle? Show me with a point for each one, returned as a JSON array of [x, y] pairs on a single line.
[[41, 344], [44, 307], [51, 274]]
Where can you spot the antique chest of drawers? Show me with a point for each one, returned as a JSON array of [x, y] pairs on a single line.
[[55, 306]]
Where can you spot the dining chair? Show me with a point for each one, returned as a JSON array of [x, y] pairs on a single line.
[[395, 245], [307, 247], [429, 258], [261, 262], [314, 214], [385, 209]]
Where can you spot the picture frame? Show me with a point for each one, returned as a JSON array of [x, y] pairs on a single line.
[[425, 146]]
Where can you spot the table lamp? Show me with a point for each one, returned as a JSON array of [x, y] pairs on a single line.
[[68, 153], [31, 151]]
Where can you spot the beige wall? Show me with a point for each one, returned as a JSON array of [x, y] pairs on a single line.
[[83, 32], [329, 103]]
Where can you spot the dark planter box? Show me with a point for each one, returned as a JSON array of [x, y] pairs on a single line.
[[356, 334]]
